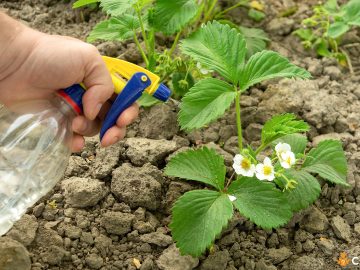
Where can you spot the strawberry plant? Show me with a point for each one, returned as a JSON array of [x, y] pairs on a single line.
[[129, 19], [324, 30], [266, 191]]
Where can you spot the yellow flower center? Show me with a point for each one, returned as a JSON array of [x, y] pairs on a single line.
[[245, 164], [267, 170], [288, 161]]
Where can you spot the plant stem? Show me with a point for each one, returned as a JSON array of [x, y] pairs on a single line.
[[197, 19], [241, 3], [141, 50], [143, 32], [210, 10], [173, 47], [348, 60], [261, 147], [238, 119], [229, 181]]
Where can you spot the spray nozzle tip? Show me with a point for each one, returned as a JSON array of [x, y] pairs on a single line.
[[162, 93]]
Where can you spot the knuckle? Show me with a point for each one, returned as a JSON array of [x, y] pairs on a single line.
[[92, 50]]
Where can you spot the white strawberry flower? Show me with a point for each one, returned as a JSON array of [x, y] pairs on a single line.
[[242, 165], [282, 148], [286, 157], [287, 160], [232, 198], [265, 171]]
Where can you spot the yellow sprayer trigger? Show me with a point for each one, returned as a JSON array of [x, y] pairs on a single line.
[[121, 71]]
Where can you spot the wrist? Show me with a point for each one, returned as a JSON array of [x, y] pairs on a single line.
[[16, 43]]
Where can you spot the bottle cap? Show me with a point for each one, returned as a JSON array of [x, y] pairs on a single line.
[[73, 95]]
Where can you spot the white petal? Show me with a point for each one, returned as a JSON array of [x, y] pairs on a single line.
[[236, 166], [284, 164], [259, 168], [260, 176], [238, 169], [267, 161], [286, 147], [282, 147], [241, 171], [283, 155], [292, 158], [249, 173], [198, 65], [278, 147], [270, 177], [252, 169], [232, 198], [238, 158]]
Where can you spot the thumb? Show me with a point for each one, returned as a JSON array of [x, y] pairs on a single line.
[[97, 81]]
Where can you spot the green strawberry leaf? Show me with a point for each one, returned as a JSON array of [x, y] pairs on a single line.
[[306, 191], [172, 16], [203, 165], [305, 34], [205, 102], [328, 160], [331, 6], [352, 12], [120, 29], [218, 47], [281, 125], [322, 47], [117, 7], [337, 29], [198, 217], [256, 40], [261, 202], [147, 100], [296, 141], [267, 65], [256, 15], [81, 3]]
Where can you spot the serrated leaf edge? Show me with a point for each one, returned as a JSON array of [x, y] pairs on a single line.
[[216, 234]]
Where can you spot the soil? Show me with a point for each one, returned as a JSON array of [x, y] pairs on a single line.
[[112, 209]]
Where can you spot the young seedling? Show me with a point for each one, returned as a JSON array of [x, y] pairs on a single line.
[[324, 30], [266, 191]]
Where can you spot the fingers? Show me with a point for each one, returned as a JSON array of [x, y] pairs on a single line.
[[98, 83], [85, 127], [113, 135], [128, 116], [116, 133], [78, 143], [100, 89]]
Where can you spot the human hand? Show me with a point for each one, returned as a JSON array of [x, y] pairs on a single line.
[[48, 63]]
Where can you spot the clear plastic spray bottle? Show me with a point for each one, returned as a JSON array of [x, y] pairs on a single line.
[[35, 141], [35, 137]]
